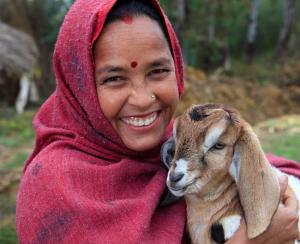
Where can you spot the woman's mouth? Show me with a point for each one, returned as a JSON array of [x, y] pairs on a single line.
[[141, 121]]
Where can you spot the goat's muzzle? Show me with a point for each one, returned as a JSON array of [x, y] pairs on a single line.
[[175, 177]]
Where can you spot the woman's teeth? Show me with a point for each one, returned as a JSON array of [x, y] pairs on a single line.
[[135, 121]]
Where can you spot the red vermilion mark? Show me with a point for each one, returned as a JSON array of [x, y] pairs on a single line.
[[127, 19], [134, 64]]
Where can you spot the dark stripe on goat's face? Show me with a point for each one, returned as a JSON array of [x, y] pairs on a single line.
[[198, 113]]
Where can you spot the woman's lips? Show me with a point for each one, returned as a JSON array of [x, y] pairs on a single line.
[[141, 121]]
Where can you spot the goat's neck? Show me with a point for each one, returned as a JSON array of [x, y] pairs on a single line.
[[209, 206], [213, 190]]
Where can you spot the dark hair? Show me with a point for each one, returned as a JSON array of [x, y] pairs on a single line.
[[125, 8]]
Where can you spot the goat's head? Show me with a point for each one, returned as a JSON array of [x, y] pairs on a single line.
[[211, 142], [204, 138]]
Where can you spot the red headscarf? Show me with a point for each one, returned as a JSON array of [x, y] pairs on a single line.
[[81, 184]]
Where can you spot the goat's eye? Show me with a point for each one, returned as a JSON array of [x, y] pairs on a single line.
[[218, 146]]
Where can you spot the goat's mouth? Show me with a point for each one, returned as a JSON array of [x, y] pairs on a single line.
[[179, 191]]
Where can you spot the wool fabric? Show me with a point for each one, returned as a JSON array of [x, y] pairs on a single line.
[[287, 166]]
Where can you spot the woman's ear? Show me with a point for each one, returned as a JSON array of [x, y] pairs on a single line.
[[257, 182]]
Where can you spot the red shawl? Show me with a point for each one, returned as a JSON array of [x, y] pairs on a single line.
[[81, 184]]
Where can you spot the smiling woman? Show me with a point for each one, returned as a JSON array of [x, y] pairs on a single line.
[[125, 90], [119, 77], [95, 175]]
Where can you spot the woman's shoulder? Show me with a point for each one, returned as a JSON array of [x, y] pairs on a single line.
[[285, 165], [51, 158]]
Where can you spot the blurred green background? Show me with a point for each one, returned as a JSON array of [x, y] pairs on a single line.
[[241, 53]]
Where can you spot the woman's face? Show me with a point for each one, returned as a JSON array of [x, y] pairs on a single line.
[[133, 62]]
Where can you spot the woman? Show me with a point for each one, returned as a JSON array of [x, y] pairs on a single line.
[[95, 175]]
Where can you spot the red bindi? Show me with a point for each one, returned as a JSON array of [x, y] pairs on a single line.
[[134, 64], [127, 19]]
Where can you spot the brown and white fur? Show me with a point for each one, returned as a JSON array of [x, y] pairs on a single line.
[[218, 165]]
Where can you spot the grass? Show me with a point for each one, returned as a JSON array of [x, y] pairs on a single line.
[[16, 162], [8, 234], [16, 137], [7, 205], [281, 136], [286, 145], [7, 216], [15, 129]]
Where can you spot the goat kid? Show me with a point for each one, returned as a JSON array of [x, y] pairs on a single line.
[[216, 162]]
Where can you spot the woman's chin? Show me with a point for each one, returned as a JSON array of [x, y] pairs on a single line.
[[141, 145]]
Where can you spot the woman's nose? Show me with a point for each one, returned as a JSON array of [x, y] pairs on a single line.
[[141, 96]]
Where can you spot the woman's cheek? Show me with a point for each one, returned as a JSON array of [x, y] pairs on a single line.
[[168, 93], [110, 102]]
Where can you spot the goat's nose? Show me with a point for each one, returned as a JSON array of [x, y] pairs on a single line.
[[176, 177]]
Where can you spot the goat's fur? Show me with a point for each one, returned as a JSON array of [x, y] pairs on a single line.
[[216, 162]]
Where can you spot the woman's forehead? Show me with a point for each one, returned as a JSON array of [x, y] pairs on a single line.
[[122, 40], [137, 28]]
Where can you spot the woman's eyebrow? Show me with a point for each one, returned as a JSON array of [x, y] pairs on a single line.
[[159, 62], [109, 69]]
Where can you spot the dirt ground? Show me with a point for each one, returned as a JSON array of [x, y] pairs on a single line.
[[256, 102]]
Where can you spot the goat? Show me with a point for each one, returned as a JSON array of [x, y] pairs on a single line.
[[216, 162]]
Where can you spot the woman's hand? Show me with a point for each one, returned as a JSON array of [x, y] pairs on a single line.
[[284, 225]]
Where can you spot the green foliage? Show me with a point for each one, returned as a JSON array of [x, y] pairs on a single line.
[[260, 71], [286, 145], [281, 136], [7, 205], [7, 216], [16, 163], [270, 21], [49, 14], [209, 55], [16, 129], [231, 23], [230, 20], [8, 235], [16, 136]]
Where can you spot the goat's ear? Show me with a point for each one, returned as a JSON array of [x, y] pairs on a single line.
[[167, 151], [257, 183], [235, 164]]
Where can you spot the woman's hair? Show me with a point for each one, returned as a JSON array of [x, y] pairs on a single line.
[[124, 8]]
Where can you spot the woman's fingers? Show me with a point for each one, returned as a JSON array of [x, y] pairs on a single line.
[[291, 205], [284, 225], [289, 200], [283, 182]]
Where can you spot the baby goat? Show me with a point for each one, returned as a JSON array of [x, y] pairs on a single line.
[[218, 165]]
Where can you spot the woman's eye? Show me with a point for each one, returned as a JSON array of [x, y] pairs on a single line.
[[159, 72], [218, 146], [113, 79]]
